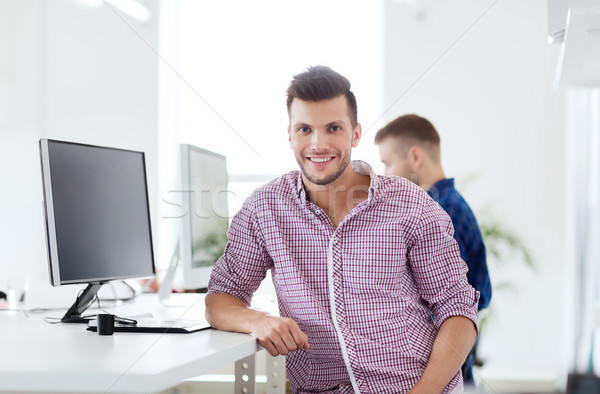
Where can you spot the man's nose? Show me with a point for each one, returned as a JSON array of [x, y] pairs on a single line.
[[319, 140]]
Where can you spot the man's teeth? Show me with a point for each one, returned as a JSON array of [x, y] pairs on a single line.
[[320, 160]]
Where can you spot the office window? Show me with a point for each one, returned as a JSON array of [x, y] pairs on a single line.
[[235, 58], [582, 198]]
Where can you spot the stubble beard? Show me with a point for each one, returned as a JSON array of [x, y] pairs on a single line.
[[345, 161]]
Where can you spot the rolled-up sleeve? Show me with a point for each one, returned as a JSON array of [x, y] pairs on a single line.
[[438, 270], [245, 262]]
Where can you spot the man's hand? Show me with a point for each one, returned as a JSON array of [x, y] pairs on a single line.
[[278, 335], [451, 347]]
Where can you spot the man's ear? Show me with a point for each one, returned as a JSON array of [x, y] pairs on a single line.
[[356, 135], [289, 135], [416, 156]]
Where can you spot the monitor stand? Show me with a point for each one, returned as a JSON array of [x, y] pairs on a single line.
[[166, 287], [83, 302], [165, 291]]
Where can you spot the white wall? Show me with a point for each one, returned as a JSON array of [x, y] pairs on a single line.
[[236, 59], [68, 72], [485, 80], [21, 236]]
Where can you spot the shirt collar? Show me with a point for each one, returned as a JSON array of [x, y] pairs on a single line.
[[441, 185], [363, 168]]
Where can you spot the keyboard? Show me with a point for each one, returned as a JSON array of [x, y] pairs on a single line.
[[181, 326]]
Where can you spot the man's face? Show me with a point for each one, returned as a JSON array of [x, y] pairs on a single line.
[[321, 136], [395, 161]]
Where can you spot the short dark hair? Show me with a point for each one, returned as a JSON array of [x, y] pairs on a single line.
[[409, 126], [411, 130], [321, 83]]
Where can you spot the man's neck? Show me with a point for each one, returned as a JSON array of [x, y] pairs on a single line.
[[430, 178], [339, 197]]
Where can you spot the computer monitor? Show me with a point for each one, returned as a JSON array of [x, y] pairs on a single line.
[[97, 217], [206, 214]]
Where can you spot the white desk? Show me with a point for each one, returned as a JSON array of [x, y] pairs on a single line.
[[38, 356]]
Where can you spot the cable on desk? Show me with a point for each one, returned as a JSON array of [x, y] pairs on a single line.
[[16, 310], [116, 298]]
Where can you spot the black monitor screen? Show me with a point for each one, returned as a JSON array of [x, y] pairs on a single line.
[[97, 213]]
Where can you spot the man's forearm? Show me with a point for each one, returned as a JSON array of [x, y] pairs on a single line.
[[450, 349], [228, 313], [279, 335]]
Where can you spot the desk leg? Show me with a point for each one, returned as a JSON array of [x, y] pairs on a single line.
[[275, 374], [245, 375]]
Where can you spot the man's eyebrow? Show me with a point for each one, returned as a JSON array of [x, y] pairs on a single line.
[[334, 123], [300, 124]]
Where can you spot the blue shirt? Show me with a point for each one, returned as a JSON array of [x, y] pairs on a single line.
[[468, 236]]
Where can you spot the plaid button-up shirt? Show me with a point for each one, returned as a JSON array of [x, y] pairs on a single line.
[[370, 293]]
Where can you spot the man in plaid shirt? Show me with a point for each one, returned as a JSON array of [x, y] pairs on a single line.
[[409, 146], [372, 291]]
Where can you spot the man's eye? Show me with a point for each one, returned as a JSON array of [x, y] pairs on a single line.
[[304, 129], [335, 128]]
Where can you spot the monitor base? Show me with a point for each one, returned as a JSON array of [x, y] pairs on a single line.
[[83, 302]]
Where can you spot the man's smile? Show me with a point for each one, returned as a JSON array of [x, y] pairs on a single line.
[[320, 159]]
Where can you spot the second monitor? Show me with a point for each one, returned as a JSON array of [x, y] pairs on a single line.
[[206, 220]]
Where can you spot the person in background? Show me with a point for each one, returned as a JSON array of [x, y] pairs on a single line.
[[372, 292], [409, 146]]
